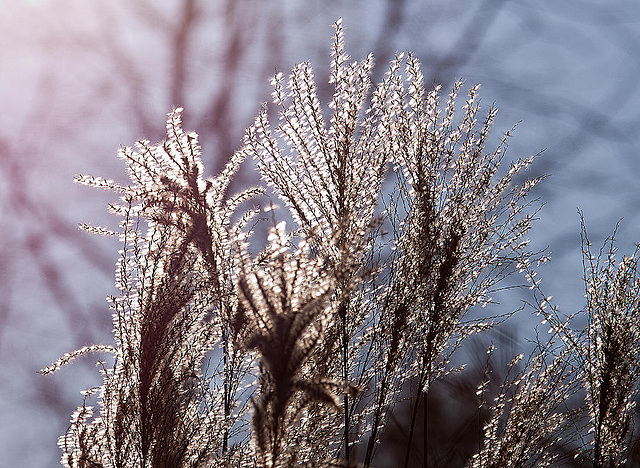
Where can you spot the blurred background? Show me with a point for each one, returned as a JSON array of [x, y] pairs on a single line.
[[80, 78]]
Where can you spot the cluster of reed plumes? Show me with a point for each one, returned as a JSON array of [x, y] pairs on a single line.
[[297, 354]]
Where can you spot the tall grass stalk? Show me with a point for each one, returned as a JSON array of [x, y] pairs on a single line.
[[297, 354]]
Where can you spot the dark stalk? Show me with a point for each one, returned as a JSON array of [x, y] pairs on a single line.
[[398, 328], [342, 311], [227, 396]]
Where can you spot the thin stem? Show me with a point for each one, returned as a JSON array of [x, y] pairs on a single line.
[[345, 377], [414, 414], [227, 396], [425, 376], [424, 427]]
